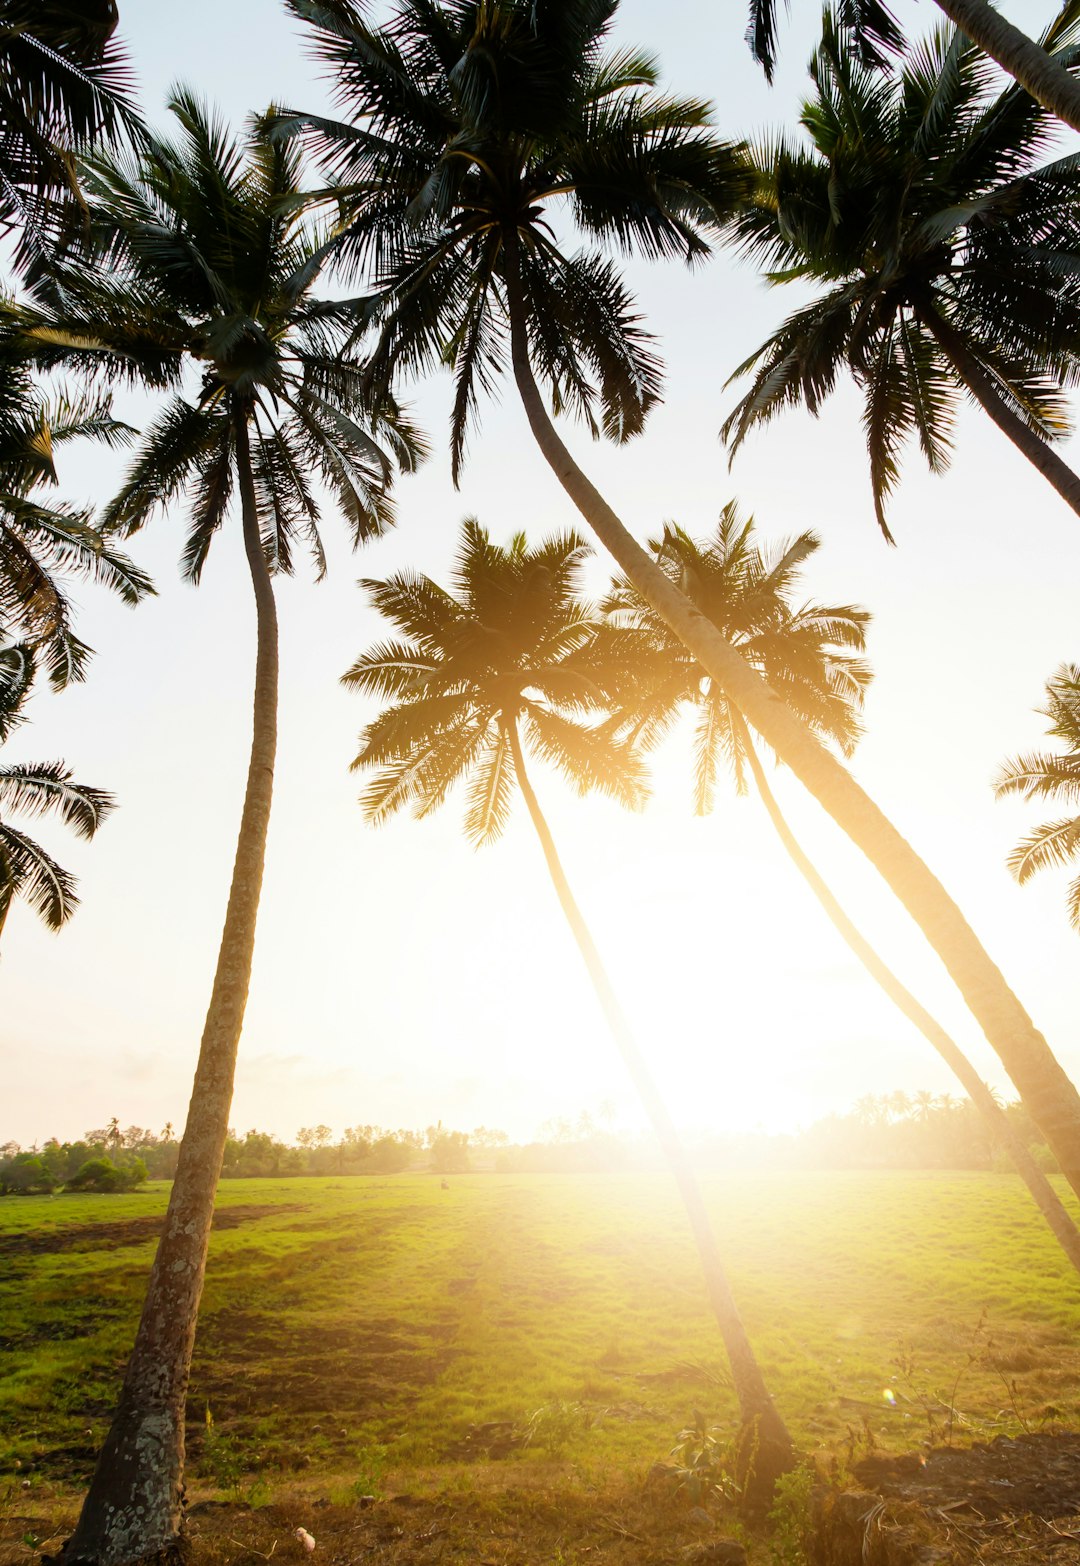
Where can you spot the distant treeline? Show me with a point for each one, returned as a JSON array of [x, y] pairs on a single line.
[[890, 1131]]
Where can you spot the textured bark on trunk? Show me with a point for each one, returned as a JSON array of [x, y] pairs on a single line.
[[1048, 82], [1050, 1097], [1043, 458], [134, 1508], [1042, 1192], [767, 1449]]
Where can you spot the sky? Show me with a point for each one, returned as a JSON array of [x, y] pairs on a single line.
[[402, 977]]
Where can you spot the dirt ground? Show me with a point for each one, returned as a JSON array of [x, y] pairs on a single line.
[[1009, 1500], [1014, 1501], [524, 1525]]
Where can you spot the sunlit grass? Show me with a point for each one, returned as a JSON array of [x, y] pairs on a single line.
[[360, 1324]]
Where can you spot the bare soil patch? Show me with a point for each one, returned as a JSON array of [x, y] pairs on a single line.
[[125, 1231], [1014, 1499], [539, 1521]]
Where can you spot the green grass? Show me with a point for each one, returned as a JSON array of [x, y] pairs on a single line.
[[365, 1328]]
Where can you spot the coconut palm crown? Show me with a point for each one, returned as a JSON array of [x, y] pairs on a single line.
[[203, 263], [37, 788], [944, 251], [1043, 775], [809, 653], [43, 544], [469, 133], [495, 658], [64, 82]]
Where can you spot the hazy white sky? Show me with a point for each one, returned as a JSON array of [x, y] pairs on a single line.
[[402, 977]]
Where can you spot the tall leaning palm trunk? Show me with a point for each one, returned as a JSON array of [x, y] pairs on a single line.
[[1045, 78], [467, 126], [766, 1448], [1049, 1095], [1042, 1192], [134, 1507]]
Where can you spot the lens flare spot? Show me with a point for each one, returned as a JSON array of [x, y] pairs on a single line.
[[890, 1397]]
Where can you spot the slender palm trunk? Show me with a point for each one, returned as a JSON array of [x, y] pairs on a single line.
[[768, 1450], [1042, 1192], [134, 1508], [1048, 82], [1042, 456], [1050, 1097]]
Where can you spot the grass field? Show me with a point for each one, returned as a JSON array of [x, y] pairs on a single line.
[[374, 1336]]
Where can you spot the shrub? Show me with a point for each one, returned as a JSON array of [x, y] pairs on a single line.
[[101, 1174]]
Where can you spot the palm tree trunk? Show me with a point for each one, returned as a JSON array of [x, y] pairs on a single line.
[[1042, 1192], [1048, 82], [766, 1447], [134, 1508], [1050, 1097], [1043, 458]]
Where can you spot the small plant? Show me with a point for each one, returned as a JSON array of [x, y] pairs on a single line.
[[221, 1457], [554, 1426], [933, 1405], [371, 1472], [791, 1516], [704, 1467]]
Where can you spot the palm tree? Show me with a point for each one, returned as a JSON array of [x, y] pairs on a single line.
[[874, 31], [203, 264], [38, 788], [1041, 775], [64, 83], [923, 212], [488, 671], [41, 544], [469, 122], [812, 654]]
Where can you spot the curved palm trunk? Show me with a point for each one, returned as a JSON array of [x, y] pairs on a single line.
[[1042, 456], [134, 1508], [1042, 1192], [1048, 82], [766, 1448], [1050, 1097]]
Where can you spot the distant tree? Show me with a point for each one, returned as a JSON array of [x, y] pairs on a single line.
[[25, 1173], [449, 1152], [101, 1174], [390, 1154], [488, 1138]]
